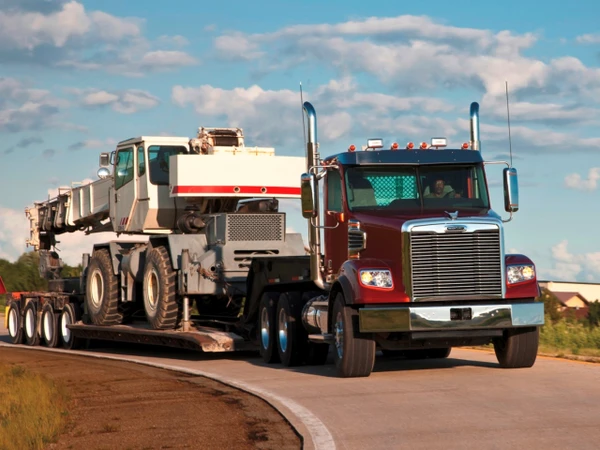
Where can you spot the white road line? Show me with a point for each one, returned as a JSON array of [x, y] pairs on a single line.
[[319, 434]]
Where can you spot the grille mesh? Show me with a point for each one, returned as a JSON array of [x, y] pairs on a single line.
[[255, 227], [456, 264]]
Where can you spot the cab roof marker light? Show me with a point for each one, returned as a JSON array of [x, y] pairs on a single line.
[[424, 146], [410, 146], [394, 146], [351, 148], [465, 145], [374, 143], [439, 142]]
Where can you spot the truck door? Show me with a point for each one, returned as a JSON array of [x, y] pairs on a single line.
[[125, 190], [336, 239]]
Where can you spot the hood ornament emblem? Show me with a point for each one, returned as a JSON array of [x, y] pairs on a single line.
[[452, 215]]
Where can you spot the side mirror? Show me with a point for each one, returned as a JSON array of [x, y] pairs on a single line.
[[307, 195], [511, 190], [104, 159], [103, 172]]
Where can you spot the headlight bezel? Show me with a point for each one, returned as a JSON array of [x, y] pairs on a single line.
[[515, 272], [374, 273]]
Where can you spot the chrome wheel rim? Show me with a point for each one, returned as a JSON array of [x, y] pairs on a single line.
[[13, 320], [65, 320], [30, 323], [48, 326], [97, 288], [283, 330], [339, 335], [264, 328]]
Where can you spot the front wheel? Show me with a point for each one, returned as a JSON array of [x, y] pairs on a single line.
[[517, 348], [354, 355]]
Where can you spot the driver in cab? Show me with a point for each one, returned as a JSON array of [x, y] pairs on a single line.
[[441, 190]]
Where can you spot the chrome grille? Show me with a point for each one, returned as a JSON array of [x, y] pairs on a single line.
[[456, 264], [255, 227]]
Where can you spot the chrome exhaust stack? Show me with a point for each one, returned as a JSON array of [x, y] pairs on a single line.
[[312, 162], [475, 142]]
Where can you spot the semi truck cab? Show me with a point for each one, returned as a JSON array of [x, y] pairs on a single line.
[[413, 256]]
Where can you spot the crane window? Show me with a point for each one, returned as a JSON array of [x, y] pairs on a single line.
[[158, 161]]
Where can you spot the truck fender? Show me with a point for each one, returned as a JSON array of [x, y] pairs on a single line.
[[343, 285]]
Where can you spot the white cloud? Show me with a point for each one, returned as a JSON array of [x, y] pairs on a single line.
[[568, 266], [125, 102], [272, 116], [167, 59], [106, 144], [24, 108], [575, 181], [14, 230], [67, 35], [590, 38], [420, 55]]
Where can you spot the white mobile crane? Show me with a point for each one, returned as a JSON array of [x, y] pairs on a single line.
[[204, 207]]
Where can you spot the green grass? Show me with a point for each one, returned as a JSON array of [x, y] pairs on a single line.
[[2, 303], [33, 409], [573, 337]]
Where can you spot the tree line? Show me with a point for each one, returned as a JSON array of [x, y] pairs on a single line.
[[24, 275]]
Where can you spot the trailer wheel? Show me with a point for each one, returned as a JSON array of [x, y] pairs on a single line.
[[30, 324], [15, 329], [354, 355], [292, 339], [49, 326], [517, 348], [266, 328], [102, 290], [160, 295], [70, 314]]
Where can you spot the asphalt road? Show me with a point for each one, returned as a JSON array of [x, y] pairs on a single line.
[[463, 402]]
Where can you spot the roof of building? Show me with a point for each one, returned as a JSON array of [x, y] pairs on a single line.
[[564, 297]]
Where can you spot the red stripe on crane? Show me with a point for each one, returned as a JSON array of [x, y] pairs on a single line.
[[220, 190]]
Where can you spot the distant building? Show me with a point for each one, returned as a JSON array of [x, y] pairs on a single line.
[[589, 291]]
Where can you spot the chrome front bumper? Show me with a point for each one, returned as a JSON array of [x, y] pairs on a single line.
[[455, 317]]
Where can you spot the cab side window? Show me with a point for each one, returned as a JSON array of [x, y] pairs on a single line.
[[124, 172], [141, 161], [334, 191]]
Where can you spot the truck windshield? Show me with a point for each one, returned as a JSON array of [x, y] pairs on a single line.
[[410, 187]]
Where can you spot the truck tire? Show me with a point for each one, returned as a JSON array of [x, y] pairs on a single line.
[[70, 314], [517, 348], [354, 355], [15, 322], [292, 339], [49, 326], [163, 311], [30, 324], [102, 290], [266, 328]]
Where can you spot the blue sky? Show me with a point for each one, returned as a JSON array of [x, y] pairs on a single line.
[[75, 77]]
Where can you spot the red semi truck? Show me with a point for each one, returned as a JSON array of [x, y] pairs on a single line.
[[405, 256]]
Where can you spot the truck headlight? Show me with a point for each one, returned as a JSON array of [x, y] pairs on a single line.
[[516, 274], [376, 278]]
